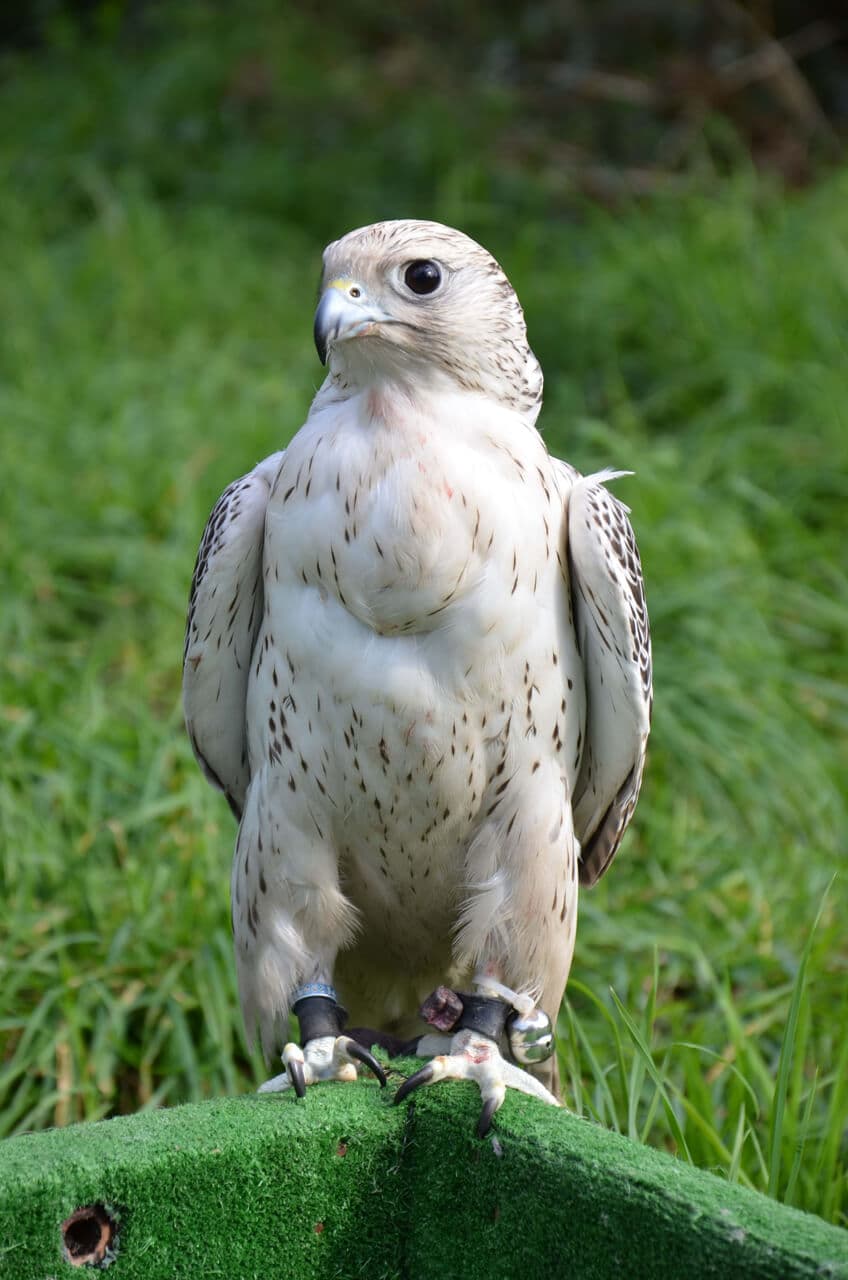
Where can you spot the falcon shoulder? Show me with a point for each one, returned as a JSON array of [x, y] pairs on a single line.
[[614, 639], [224, 614]]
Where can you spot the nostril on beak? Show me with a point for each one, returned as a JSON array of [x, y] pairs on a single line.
[[344, 311]]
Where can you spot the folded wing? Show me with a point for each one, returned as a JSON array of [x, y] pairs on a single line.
[[614, 639], [224, 615]]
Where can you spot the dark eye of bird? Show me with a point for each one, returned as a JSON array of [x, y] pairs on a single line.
[[423, 276]]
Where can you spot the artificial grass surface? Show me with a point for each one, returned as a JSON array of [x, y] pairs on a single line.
[[255, 1186], [346, 1184]]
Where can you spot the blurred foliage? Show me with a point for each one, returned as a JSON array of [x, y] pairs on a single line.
[[170, 176], [611, 97]]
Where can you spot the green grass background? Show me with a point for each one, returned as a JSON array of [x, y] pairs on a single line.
[[165, 198]]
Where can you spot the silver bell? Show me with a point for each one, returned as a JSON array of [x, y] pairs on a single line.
[[531, 1037]]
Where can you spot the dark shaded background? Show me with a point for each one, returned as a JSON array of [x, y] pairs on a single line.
[[612, 97]]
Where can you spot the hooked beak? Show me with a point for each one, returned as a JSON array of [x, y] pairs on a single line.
[[343, 312]]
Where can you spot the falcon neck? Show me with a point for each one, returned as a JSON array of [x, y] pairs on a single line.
[[383, 397]]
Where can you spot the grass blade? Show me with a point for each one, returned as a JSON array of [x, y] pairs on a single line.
[[787, 1050], [651, 1068]]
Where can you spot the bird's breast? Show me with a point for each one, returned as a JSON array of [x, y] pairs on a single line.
[[407, 566], [406, 523]]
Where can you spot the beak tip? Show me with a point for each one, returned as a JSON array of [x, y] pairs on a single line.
[[320, 343]]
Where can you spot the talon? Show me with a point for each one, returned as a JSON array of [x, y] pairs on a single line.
[[474, 1056], [424, 1076], [361, 1054], [322, 1058], [295, 1070], [490, 1106]]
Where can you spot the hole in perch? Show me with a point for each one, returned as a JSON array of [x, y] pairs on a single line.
[[89, 1236]]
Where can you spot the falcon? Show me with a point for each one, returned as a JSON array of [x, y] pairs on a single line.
[[418, 665]]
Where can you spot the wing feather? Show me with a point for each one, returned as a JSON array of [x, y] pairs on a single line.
[[224, 614], [614, 639]]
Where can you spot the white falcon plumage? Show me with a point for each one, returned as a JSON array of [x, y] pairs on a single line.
[[417, 663]]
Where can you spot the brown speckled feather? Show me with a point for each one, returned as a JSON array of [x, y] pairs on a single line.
[[615, 644]]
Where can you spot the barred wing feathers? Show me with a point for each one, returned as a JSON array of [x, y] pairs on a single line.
[[224, 615], [614, 639]]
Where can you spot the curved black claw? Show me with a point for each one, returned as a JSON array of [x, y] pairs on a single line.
[[490, 1106], [363, 1055], [424, 1076], [295, 1070]]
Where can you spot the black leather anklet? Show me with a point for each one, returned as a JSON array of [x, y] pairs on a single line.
[[319, 1016], [483, 1014]]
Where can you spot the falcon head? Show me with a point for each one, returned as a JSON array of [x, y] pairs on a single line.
[[419, 304]]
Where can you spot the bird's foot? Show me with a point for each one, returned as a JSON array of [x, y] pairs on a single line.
[[324, 1058], [473, 1056]]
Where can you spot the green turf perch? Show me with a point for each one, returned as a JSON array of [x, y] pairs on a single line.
[[346, 1184]]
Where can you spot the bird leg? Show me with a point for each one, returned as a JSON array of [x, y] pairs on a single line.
[[323, 1053], [473, 1053]]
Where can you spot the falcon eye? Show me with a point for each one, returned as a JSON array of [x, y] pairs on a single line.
[[423, 276]]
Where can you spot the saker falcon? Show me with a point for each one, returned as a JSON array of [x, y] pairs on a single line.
[[418, 665]]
